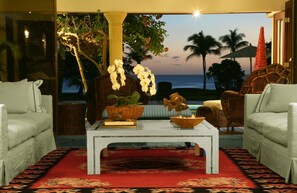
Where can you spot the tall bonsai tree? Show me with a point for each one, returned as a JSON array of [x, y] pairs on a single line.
[[85, 36]]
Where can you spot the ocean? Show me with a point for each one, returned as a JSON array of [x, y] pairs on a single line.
[[178, 81], [186, 81]]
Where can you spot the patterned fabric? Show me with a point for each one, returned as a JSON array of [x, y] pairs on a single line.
[[264, 179]]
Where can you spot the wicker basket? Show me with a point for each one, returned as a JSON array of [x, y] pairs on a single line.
[[124, 112]]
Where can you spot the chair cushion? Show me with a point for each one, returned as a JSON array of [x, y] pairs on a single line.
[[272, 125], [213, 103], [24, 126]]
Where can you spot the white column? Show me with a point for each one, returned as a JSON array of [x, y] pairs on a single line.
[[115, 21]]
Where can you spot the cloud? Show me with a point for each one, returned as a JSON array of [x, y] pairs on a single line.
[[176, 58]]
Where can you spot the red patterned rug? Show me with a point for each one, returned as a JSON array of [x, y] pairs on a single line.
[[147, 170]]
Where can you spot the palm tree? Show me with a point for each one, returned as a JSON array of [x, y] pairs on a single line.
[[233, 40], [138, 54], [203, 45]]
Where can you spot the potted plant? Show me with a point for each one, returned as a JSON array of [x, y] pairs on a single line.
[[128, 107]]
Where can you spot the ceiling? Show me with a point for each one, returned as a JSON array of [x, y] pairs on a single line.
[[171, 6], [145, 6]]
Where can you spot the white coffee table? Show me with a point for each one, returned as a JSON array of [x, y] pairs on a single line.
[[205, 135]]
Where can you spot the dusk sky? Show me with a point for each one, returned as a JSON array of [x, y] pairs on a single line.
[[180, 27]]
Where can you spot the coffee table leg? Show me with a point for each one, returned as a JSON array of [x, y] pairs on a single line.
[[215, 155], [205, 143], [99, 146], [90, 154]]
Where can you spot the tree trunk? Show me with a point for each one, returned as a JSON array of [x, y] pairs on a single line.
[[204, 72]]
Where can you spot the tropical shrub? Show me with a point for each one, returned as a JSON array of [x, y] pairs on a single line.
[[228, 75]]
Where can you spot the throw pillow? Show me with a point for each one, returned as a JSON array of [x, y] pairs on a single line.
[[280, 97], [15, 96], [34, 96], [262, 102]]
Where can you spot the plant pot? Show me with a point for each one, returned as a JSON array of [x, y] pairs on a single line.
[[124, 112]]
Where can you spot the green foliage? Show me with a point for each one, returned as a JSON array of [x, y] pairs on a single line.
[[144, 34], [86, 26], [126, 100], [233, 40], [228, 75]]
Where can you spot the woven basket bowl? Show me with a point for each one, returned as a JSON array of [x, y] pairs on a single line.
[[124, 112], [186, 122]]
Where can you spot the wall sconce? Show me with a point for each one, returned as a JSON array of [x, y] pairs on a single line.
[[26, 32]]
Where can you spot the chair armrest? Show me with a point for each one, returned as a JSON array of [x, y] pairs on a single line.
[[292, 130], [47, 103], [213, 115], [232, 103], [250, 103], [3, 132], [227, 96]]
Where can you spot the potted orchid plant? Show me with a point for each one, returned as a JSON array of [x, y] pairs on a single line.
[[126, 103]]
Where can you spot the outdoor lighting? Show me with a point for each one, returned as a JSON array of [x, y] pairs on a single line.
[[196, 13], [43, 40], [26, 32]]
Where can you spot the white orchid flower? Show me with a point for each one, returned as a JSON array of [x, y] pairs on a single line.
[[138, 68], [143, 82], [153, 79], [147, 80], [145, 85], [111, 69], [145, 88], [123, 76], [116, 86], [113, 76], [118, 63], [123, 83], [153, 91], [142, 75], [121, 70]]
